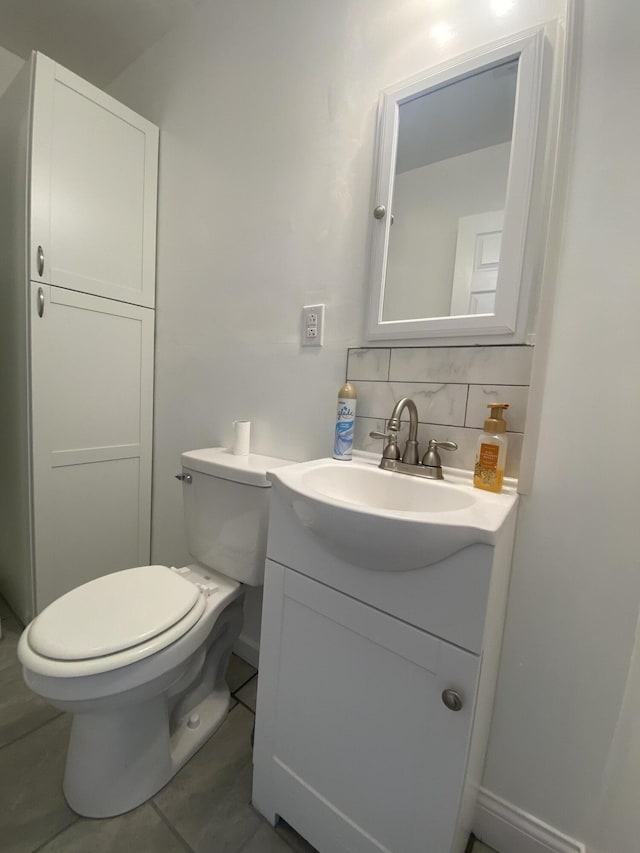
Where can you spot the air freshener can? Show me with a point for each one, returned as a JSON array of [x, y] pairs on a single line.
[[345, 423]]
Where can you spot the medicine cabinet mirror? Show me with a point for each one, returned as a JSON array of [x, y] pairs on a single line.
[[456, 150]]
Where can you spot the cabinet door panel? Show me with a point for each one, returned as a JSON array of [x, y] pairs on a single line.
[[364, 754], [91, 523], [97, 348], [94, 176], [92, 382]]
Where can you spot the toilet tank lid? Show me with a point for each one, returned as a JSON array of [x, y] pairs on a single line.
[[221, 462]]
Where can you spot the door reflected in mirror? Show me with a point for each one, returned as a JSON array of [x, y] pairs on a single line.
[[449, 191]]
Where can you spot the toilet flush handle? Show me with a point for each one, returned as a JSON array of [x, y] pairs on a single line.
[[186, 478]]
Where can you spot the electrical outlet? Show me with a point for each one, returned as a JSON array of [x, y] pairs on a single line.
[[312, 325]]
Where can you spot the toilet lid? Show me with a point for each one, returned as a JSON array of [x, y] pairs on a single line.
[[112, 613]]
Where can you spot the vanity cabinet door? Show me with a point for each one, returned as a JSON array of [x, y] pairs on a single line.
[[94, 166], [91, 403], [354, 745]]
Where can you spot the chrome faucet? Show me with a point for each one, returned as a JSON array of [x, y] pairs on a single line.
[[409, 463]]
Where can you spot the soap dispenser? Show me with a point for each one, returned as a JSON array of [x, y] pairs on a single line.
[[491, 455]]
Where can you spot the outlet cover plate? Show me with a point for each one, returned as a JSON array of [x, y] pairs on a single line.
[[312, 333]]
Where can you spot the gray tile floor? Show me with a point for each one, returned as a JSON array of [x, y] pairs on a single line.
[[204, 809]]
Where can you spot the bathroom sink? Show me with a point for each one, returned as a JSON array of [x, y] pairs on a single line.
[[387, 521], [368, 486]]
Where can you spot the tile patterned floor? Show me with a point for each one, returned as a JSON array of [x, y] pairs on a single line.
[[204, 809]]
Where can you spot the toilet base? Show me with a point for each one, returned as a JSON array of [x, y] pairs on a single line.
[[118, 761], [119, 758]]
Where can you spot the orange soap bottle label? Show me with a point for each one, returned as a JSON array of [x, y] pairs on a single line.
[[489, 456], [486, 474]]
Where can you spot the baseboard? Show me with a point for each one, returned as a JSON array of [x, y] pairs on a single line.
[[509, 829], [247, 649]]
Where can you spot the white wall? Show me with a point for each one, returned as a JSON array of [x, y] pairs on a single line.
[[268, 118], [10, 64], [267, 114], [427, 204], [563, 745]]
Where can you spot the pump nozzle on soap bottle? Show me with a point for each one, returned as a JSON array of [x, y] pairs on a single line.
[[491, 455]]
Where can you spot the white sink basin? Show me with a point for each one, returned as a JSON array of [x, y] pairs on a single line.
[[369, 487], [386, 521]]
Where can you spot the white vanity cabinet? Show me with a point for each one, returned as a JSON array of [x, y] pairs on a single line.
[[94, 168], [375, 691]]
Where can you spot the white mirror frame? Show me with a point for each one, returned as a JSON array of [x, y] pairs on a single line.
[[511, 293]]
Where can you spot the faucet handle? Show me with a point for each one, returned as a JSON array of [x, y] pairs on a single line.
[[431, 458], [391, 450], [444, 445]]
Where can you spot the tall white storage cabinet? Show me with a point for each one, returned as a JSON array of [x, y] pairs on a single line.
[[79, 176]]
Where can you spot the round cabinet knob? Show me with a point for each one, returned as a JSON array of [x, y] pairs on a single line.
[[452, 700], [379, 211]]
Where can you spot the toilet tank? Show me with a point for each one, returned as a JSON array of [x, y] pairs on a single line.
[[226, 511]]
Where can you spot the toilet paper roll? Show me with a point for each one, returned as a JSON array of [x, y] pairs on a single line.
[[241, 435]]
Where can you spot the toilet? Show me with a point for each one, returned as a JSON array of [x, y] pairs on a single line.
[[139, 657]]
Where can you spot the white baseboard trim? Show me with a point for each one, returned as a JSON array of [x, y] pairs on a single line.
[[509, 829], [247, 649]]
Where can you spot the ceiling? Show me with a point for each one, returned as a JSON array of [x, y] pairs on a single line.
[[472, 113], [96, 39]]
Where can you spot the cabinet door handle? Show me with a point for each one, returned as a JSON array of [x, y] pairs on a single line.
[[185, 478], [40, 302], [40, 260], [452, 700]]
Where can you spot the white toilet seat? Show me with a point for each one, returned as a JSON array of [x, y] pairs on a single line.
[[126, 617], [112, 613]]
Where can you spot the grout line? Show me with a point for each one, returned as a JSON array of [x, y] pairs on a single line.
[[165, 820], [425, 347], [32, 731], [76, 820], [244, 705], [442, 382], [466, 405], [434, 424], [244, 683]]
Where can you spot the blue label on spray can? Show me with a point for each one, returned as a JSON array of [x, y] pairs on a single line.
[[345, 421]]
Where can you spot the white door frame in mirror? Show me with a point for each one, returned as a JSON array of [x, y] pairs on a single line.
[[507, 321]]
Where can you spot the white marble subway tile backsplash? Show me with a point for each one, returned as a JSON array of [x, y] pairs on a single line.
[[481, 395], [436, 403], [508, 365], [450, 386], [370, 364]]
